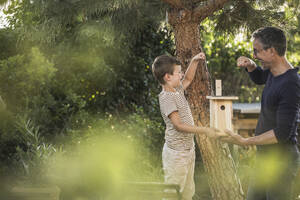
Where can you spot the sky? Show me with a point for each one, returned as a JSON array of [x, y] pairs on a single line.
[[3, 21]]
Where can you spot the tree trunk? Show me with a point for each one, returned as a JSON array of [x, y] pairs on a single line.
[[223, 180]]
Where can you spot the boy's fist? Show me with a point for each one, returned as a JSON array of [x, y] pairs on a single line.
[[199, 56], [245, 62]]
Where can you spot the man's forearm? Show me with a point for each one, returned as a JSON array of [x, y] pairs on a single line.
[[251, 68], [265, 138]]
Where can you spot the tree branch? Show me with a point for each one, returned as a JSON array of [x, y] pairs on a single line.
[[207, 8], [175, 3]]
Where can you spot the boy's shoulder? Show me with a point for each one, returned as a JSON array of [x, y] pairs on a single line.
[[167, 95], [166, 98]]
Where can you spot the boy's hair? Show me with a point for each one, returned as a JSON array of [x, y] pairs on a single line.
[[163, 65], [271, 37]]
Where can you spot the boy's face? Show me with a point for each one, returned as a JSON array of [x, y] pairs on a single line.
[[176, 77]]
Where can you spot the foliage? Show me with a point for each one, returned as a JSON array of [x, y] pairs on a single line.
[[111, 150], [36, 161], [85, 75], [26, 152], [251, 15], [33, 157], [8, 141], [138, 79], [24, 76], [48, 22], [8, 43], [222, 52], [88, 73]]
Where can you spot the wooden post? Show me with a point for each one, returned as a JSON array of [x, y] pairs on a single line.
[[218, 88]]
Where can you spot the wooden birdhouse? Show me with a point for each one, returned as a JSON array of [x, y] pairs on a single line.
[[221, 112]]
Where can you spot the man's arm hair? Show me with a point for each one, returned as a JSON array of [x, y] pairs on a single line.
[[263, 139]]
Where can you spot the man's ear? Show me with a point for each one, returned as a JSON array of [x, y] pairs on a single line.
[[273, 51]]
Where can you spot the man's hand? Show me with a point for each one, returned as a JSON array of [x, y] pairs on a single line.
[[199, 56], [233, 138], [245, 62], [214, 133]]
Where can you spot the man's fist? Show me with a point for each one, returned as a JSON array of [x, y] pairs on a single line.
[[246, 62]]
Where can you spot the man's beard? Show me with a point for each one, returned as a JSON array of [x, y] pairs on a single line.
[[263, 64]]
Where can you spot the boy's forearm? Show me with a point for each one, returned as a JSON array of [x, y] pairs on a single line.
[[186, 128], [191, 70]]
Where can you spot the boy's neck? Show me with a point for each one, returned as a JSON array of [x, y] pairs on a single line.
[[168, 88]]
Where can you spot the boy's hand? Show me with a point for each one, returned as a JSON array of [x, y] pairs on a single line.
[[214, 133], [233, 138], [199, 56]]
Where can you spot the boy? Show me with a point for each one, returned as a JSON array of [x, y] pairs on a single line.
[[179, 149]]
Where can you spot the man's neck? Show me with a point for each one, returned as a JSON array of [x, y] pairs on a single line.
[[280, 66]]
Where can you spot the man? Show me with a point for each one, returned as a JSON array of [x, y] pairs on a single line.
[[277, 157]]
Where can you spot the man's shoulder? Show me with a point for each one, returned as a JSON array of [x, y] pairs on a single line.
[[291, 84], [293, 77]]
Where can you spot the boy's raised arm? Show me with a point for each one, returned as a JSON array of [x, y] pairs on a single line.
[[191, 70]]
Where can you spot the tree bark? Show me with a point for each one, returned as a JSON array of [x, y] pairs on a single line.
[[223, 180]]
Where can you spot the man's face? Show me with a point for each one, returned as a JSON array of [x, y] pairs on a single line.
[[263, 55]]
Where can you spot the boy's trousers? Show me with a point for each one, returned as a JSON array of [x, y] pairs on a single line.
[[178, 168]]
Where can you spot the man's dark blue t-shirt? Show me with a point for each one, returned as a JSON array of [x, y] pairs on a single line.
[[279, 104]]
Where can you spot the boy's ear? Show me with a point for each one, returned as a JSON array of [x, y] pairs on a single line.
[[166, 77]]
